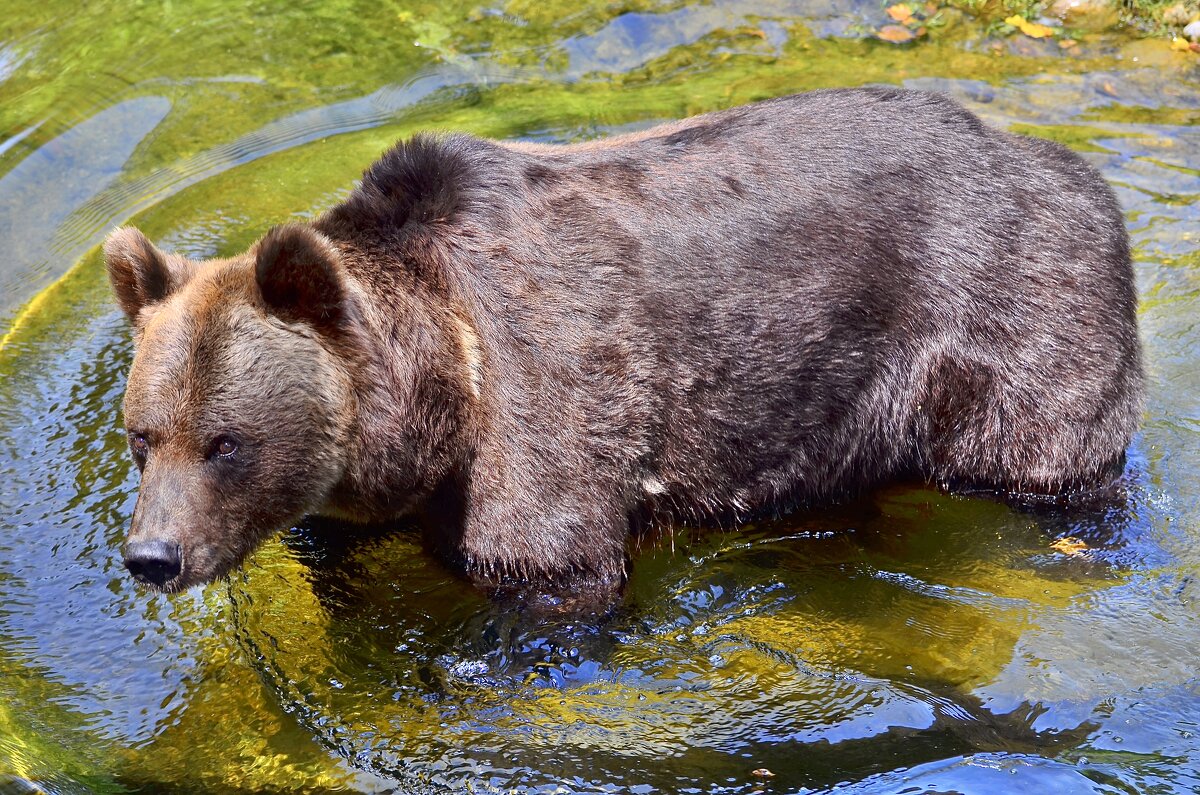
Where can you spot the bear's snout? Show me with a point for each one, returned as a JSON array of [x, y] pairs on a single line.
[[153, 562]]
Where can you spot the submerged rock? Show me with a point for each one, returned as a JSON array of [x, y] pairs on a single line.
[[1086, 14], [1177, 15]]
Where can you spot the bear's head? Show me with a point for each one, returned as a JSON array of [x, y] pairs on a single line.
[[239, 406]]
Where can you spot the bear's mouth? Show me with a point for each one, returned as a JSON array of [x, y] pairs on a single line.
[[167, 566]]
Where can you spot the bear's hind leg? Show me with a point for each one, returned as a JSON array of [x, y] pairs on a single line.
[[978, 428]]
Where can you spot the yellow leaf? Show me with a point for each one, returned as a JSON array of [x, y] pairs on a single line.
[[895, 34], [901, 13], [1030, 29], [1180, 43], [1069, 545]]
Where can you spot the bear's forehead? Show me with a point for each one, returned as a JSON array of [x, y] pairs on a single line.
[[185, 353], [212, 355]]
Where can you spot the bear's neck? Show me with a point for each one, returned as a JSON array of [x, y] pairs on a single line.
[[415, 374]]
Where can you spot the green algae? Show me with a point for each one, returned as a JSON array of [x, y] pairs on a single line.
[[43, 745], [690, 78], [1079, 138]]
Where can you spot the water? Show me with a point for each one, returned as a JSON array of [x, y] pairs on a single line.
[[907, 641]]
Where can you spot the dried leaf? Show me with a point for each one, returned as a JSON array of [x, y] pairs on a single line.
[[1069, 545], [901, 13], [897, 34], [762, 772], [1031, 29], [1067, 44]]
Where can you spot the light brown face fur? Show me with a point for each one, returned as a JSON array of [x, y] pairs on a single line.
[[238, 415]]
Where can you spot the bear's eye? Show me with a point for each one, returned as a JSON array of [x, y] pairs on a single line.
[[224, 446], [139, 446]]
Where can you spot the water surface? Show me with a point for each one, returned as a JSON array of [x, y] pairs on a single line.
[[908, 641]]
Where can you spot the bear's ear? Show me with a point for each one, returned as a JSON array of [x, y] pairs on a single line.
[[140, 274], [300, 276]]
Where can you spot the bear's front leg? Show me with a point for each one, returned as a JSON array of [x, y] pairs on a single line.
[[540, 532]]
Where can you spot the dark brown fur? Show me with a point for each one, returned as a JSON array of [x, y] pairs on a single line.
[[776, 304]]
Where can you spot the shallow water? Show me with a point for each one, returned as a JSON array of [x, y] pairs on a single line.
[[906, 642]]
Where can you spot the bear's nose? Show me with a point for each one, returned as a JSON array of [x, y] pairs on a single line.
[[152, 562]]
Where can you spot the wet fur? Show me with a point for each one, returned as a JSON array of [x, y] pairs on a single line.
[[773, 305]]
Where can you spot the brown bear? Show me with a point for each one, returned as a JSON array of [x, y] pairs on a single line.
[[532, 345]]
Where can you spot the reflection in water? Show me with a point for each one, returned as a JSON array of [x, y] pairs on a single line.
[[907, 640], [9, 61], [41, 192], [866, 628]]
